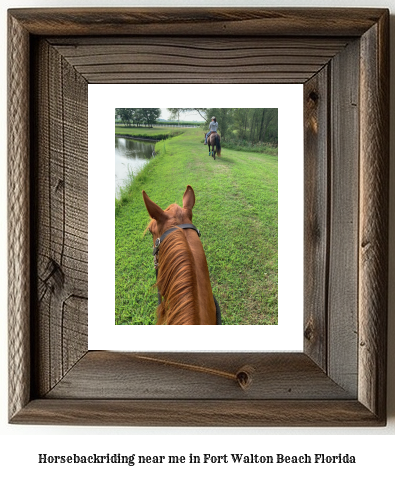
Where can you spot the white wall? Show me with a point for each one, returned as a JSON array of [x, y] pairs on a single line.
[[371, 452]]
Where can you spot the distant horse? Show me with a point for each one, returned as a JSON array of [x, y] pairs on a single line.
[[184, 288], [214, 141]]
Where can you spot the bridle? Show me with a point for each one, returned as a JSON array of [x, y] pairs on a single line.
[[163, 236], [155, 253]]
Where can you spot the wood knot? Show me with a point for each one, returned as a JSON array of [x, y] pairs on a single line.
[[367, 250], [59, 185], [244, 376], [309, 331], [313, 96], [366, 245], [54, 276]]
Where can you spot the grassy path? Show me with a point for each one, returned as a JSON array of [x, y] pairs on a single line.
[[236, 211]]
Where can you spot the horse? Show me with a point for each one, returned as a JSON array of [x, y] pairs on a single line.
[[214, 141], [183, 282]]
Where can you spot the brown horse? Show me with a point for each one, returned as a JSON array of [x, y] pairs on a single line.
[[214, 141], [183, 279]]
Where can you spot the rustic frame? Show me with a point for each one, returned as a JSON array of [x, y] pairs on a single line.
[[342, 58]]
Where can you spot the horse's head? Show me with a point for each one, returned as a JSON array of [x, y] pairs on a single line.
[[184, 289], [162, 220]]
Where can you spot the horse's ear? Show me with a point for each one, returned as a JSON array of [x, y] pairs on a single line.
[[188, 200], [153, 209]]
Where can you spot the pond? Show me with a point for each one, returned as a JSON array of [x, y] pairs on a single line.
[[130, 156]]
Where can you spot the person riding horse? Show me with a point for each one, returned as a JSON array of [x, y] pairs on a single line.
[[213, 128]]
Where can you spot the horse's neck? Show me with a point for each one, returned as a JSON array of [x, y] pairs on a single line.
[[206, 305], [193, 303], [177, 282]]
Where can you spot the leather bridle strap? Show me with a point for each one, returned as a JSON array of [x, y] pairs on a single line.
[[169, 231]]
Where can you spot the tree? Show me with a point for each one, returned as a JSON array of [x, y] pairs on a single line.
[[138, 116], [241, 118], [224, 118], [125, 114], [175, 112], [150, 115], [253, 124], [256, 124], [269, 117]]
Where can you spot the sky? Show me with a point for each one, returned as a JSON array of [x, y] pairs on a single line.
[[183, 116]]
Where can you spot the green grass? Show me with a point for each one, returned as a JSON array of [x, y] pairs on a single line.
[[149, 133], [236, 211], [243, 145]]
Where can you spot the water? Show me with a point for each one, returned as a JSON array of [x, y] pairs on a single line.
[[130, 157]]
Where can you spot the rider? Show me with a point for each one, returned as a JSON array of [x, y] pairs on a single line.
[[213, 128]]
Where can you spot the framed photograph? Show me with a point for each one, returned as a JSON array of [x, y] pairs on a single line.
[[256, 277], [341, 59]]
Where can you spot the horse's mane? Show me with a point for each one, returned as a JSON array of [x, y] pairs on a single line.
[[177, 282]]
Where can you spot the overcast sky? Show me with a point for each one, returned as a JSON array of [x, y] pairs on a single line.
[[183, 116]]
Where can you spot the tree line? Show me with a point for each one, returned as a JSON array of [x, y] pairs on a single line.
[[138, 116], [253, 125]]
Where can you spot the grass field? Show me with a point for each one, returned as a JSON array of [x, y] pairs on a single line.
[[236, 210], [149, 133]]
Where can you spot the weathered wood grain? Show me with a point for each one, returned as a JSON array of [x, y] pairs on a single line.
[[343, 229], [198, 21], [18, 214], [61, 227], [316, 214], [183, 376], [373, 227], [346, 215], [152, 59], [190, 78], [206, 413]]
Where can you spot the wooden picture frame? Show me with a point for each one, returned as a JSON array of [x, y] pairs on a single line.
[[342, 58]]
